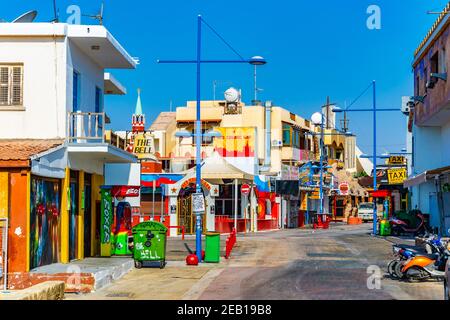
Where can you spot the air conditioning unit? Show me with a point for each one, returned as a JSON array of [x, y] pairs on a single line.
[[277, 143]]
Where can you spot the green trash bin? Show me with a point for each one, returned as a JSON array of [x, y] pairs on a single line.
[[212, 247], [149, 244], [385, 228]]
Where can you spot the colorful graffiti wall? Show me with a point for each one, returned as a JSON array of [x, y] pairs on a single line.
[[45, 222]]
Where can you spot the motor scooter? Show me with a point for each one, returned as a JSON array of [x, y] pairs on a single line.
[[403, 252], [427, 266], [399, 227]]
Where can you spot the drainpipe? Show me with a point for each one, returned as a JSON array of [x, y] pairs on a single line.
[[268, 124]]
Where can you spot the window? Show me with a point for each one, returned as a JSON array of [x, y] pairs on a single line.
[[296, 139], [434, 63], [287, 135], [98, 100], [425, 79], [76, 91], [205, 139], [442, 61], [11, 85], [99, 105]]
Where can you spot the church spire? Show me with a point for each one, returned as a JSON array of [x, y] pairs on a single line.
[[138, 110], [138, 120]]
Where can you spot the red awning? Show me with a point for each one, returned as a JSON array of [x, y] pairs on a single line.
[[380, 193]]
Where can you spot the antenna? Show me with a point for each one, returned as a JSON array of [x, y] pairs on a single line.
[[98, 16], [55, 12]]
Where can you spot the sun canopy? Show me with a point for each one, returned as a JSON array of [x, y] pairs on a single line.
[[216, 168]]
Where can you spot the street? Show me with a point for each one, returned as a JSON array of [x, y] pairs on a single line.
[[296, 264]]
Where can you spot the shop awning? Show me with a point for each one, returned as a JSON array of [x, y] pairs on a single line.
[[425, 176], [216, 167]]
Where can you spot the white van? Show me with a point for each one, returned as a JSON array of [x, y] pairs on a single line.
[[365, 211]]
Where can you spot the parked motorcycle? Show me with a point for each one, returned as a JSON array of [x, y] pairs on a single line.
[[418, 227], [427, 266], [403, 252]]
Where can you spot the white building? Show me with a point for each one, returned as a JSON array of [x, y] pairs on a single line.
[[52, 87], [49, 72], [429, 124]]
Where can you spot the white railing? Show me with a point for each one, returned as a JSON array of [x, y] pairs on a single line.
[[86, 127]]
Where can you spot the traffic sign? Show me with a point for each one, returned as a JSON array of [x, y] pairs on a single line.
[[245, 189]]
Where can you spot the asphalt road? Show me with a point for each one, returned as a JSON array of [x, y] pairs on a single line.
[[343, 262]]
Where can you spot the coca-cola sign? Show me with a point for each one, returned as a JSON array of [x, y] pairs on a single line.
[[125, 191]]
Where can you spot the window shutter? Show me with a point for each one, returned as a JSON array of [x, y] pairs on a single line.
[[4, 85], [16, 86]]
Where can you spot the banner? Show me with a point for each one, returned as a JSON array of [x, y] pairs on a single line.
[[235, 142], [106, 220]]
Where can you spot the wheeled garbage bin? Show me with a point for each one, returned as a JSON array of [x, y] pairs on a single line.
[[149, 244], [385, 228], [212, 247]]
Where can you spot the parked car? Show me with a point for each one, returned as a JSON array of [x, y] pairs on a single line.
[[365, 211]]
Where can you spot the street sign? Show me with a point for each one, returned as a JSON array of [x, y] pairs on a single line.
[[396, 176], [344, 188], [396, 160], [198, 203], [245, 189]]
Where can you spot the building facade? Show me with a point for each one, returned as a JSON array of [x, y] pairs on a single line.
[[263, 146], [52, 139], [429, 124]]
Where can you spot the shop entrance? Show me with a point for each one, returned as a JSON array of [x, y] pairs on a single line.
[[87, 216], [73, 215], [185, 216], [45, 222]]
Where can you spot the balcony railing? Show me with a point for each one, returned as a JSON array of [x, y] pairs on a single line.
[[86, 127]]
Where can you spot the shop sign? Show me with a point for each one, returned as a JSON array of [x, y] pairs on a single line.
[[143, 145], [198, 203], [188, 182], [396, 160], [106, 217], [125, 191], [344, 188], [396, 176]]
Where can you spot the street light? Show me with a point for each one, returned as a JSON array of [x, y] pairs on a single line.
[[318, 119], [374, 155], [256, 60]]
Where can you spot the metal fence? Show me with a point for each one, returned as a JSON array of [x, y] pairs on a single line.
[[3, 252]]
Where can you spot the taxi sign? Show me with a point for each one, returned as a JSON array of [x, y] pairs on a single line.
[[396, 160], [396, 176]]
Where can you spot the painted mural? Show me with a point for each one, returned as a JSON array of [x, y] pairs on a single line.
[[235, 142], [45, 222]]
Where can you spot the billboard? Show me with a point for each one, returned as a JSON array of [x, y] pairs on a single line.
[[236, 142]]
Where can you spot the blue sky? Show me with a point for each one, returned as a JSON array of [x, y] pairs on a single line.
[[313, 48]]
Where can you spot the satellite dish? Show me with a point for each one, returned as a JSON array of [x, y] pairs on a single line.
[[26, 17], [232, 95]]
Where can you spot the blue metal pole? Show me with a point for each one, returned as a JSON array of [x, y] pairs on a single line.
[[198, 143], [374, 157], [321, 165]]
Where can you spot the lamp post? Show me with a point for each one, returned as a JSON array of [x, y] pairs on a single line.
[[374, 111], [257, 60]]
